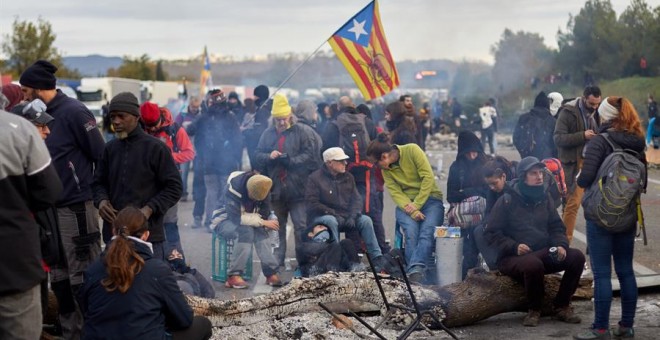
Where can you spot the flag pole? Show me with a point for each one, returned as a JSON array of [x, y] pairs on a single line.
[[279, 87]]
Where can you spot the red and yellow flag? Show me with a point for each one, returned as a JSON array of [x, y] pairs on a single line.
[[361, 46]]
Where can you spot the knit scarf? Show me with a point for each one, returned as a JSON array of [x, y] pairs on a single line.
[[532, 193]]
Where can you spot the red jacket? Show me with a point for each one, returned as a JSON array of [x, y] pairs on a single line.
[[185, 151]]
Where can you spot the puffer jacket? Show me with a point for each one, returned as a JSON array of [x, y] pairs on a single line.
[[326, 194]]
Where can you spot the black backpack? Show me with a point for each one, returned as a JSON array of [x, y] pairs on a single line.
[[530, 136], [49, 236], [354, 139]]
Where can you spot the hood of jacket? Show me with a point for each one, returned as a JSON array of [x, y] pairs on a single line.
[[467, 142]]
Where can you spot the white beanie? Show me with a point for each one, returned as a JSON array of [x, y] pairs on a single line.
[[555, 102], [606, 111]]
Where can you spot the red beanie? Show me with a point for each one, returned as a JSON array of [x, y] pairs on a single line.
[[150, 113]]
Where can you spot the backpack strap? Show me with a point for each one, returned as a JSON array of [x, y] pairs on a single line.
[[172, 130], [618, 148]]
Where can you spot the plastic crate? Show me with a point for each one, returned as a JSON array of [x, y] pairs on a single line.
[[221, 250]]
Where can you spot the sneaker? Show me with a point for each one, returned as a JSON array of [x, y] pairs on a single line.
[[236, 281], [198, 222], [274, 281], [416, 274], [567, 315], [532, 318], [624, 332], [592, 334]]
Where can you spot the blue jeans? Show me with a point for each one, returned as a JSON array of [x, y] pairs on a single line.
[[419, 234], [603, 246], [363, 225], [185, 170]]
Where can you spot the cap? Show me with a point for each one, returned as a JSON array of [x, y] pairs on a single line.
[[334, 154], [527, 163], [35, 112]]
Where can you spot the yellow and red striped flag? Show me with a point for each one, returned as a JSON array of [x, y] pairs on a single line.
[[361, 46], [206, 80]]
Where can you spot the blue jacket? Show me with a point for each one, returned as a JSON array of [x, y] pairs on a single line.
[[75, 145], [151, 305]]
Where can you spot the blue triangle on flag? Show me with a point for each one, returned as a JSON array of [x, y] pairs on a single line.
[[358, 28]]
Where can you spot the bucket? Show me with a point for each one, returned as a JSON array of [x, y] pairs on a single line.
[[448, 255]]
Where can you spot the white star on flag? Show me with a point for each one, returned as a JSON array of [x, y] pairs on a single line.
[[358, 28]]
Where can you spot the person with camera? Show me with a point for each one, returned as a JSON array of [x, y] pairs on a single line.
[[525, 227]]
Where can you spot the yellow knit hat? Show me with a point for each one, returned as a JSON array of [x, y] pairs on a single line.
[[258, 187], [281, 108]]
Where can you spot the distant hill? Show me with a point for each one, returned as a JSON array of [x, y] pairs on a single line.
[[92, 65]]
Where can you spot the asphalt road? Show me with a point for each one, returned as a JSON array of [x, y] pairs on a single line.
[[197, 247]]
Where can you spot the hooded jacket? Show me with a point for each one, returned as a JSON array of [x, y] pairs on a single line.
[[137, 171], [465, 178], [541, 120], [514, 220], [76, 145], [238, 204], [151, 305], [184, 151]]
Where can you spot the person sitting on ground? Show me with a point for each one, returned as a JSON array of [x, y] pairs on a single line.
[[129, 294], [334, 201], [190, 280], [247, 205], [320, 254], [524, 225], [410, 180]]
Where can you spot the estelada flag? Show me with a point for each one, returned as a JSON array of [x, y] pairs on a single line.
[[361, 46], [206, 80]]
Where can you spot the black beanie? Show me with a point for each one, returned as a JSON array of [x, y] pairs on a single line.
[[468, 141], [40, 76], [125, 102], [542, 101], [262, 92]]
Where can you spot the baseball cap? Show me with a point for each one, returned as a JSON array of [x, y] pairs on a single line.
[[334, 154]]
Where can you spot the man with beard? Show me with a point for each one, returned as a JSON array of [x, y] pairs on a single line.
[[75, 145], [220, 146], [576, 125], [135, 170]]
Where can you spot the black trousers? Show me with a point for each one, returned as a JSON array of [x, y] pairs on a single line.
[[201, 329]]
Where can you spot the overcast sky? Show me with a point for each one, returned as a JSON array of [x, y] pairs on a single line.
[[415, 29]]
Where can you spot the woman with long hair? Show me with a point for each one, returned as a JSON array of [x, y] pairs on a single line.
[[128, 294], [620, 121], [401, 127], [411, 183]]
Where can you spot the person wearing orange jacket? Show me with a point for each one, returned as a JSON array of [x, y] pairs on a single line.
[[158, 122]]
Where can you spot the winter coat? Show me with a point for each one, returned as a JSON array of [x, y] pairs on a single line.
[[75, 144], [151, 305], [544, 127], [514, 220], [289, 174], [184, 151], [326, 194], [465, 178], [28, 182], [569, 139], [597, 149], [137, 171], [218, 141], [238, 203]]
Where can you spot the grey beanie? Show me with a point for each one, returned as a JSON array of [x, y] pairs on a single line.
[[125, 102]]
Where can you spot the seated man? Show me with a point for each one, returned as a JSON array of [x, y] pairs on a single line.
[[247, 203], [524, 225], [333, 200], [320, 254]]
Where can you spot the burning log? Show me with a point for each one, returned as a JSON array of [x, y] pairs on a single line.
[[480, 296]]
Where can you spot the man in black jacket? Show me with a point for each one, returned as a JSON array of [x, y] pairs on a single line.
[[75, 144], [333, 200], [525, 226], [28, 182], [136, 170]]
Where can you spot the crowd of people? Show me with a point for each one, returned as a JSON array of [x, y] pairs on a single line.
[[324, 167]]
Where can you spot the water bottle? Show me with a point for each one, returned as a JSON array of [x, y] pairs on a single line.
[[274, 234]]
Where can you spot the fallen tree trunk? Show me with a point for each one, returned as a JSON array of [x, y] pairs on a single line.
[[480, 296]]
